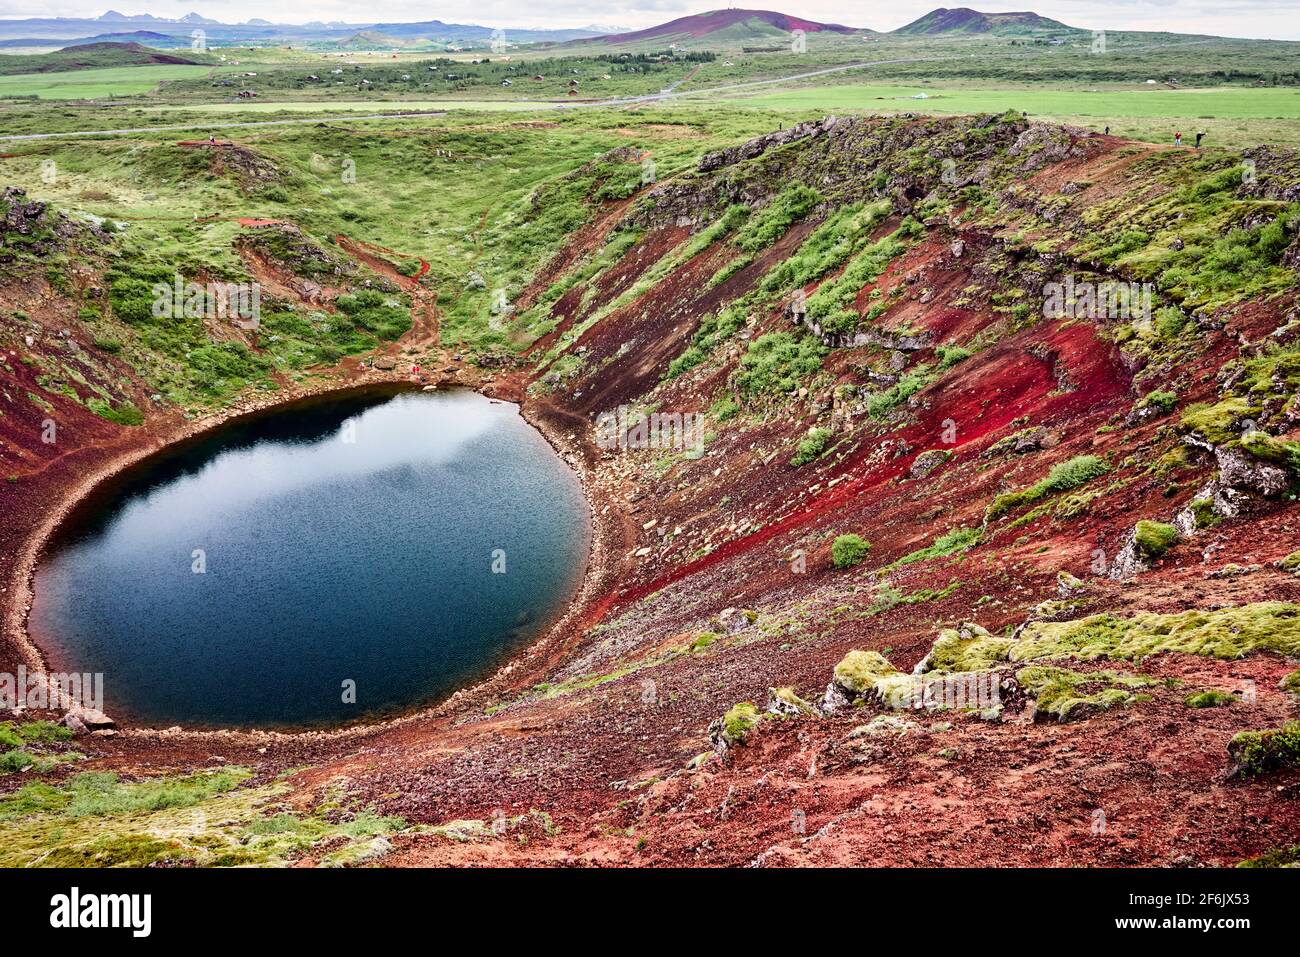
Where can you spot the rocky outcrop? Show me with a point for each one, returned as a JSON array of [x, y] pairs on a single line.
[[1245, 473], [761, 144]]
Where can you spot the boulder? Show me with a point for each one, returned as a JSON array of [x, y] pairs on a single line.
[[90, 719], [927, 462], [1244, 472]]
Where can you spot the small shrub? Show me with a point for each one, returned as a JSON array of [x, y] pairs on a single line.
[[777, 362], [724, 408], [1163, 401], [1259, 752], [849, 550], [812, 446]]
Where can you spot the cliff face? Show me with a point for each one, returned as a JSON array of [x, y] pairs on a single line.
[[1005, 405]]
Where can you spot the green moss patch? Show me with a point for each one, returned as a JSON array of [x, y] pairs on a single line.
[[1070, 695], [949, 543], [1223, 633], [971, 648], [1219, 423], [863, 671], [206, 819], [1153, 539], [739, 721], [1211, 698], [1063, 477]]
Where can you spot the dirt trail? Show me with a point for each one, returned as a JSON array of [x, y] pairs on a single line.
[[424, 331]]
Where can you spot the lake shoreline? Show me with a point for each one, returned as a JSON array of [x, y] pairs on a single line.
[[166, 436]]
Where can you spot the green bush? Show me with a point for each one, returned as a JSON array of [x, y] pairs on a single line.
[[1258, 752], [712, 330], [778, 362], [132, 299], [1163, 401], [813, 445], [849, 550]]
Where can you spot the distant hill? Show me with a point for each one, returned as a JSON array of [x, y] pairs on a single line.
[[46, 31], [722, 25], [90, 56], [374, 40], [966, 20]]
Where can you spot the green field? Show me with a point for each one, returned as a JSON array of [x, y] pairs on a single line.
[[325, 107], [95, 84], [1233, 116], [1223, 102]]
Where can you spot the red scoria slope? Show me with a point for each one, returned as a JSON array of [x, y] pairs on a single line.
[[713, 580]]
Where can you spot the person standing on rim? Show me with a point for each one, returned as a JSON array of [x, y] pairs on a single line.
[[1200, 134], [1178, 139]]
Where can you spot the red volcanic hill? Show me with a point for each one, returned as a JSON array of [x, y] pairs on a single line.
[[729, 24]]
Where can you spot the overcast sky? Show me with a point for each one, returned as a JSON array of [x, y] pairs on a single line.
[[1249, 18]]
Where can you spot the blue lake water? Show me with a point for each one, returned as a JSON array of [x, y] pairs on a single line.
[[243, 580]]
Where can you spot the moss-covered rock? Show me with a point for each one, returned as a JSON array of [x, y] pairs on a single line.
[[1290, 683], [1066, 695], [1274, 450], [1067, 586], [1291, 563], [1203, 513], [1153, 539], [1218, 423], [1258, 752], [884, 726], [1222, 633], [859, 671], [785, 702], [733, 727], [966, 648], [925, 463]]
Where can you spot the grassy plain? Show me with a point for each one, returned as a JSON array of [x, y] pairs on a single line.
[[95, 84]]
